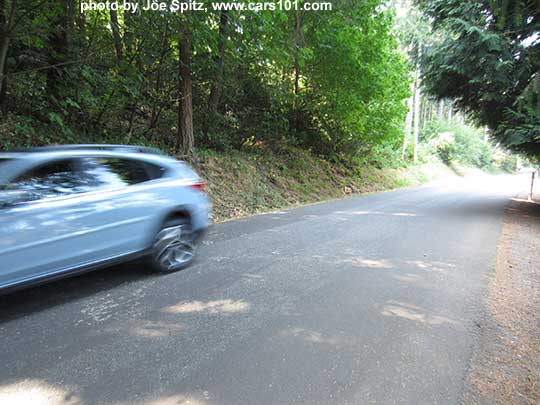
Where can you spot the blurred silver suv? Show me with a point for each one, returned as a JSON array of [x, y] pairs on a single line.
[[77, 207]]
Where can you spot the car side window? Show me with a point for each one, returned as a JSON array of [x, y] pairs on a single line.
[[118, 172], [53, 179]]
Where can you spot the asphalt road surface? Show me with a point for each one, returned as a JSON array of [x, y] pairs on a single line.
[[376, 299]]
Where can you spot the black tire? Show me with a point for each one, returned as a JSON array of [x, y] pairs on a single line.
[[174, 246]]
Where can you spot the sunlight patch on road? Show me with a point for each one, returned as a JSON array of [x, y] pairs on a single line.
[[35, 392], [178, 399], [395, 214], [369, 263], [312, 336], [407, 278], [526, 201], [157, 329], [211, 307], [440, 267], [414, 313]]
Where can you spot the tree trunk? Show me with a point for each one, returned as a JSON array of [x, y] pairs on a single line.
[[59, 50], [441, 109], [424, 106], [5, 26], [213, 100], [297, 36], [295, 122], [531, 192], [130, 21], [81, 22], [4, 46], [417, 101], [157, 104], [408, 122], [117, 39], [184, 140]]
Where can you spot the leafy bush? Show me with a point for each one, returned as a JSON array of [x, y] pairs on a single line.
[[454, 141], [22, 131], [447, 152], [380, 156]]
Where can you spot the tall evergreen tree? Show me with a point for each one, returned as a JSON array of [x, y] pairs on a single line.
[[486, 56]]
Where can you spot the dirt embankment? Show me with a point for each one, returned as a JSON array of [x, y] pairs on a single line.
[[242, 183], [506, 367]]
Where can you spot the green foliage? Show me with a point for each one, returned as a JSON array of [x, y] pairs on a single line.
[[358, 99], [446, 150], [485, 56], [509, 164], [272, 180], [454, 142], [381, 156], [73, 78]]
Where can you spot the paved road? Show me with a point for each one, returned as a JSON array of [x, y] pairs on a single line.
[[363, 300]]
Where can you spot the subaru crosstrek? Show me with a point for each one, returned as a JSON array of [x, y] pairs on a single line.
[[73, 208]]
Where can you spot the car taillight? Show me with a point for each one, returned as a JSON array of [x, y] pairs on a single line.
[[199, 185]]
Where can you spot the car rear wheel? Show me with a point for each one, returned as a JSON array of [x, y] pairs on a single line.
[[174, 246]]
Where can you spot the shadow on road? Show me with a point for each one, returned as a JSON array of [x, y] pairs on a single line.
[[32, 300]]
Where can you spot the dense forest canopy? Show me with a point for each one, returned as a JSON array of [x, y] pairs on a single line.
[[361, 81], [485, 55], [330, 81]]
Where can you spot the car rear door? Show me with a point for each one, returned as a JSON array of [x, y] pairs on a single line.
[[125, 205]]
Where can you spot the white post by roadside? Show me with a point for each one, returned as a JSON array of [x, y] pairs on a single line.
[[532, 185]]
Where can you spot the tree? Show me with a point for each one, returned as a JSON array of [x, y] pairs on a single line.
[[332, 82], [355, 80], [185, 138], [486, 57], [414, 31], [219, 60], [417, 103], [115, 27], [12, 14], [59, 39], [7, 16]]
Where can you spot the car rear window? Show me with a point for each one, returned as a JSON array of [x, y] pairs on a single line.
[[5, 160], [125, 172], [80, 175], [54, 179]]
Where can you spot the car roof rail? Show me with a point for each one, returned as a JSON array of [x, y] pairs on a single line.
[[104, 147]]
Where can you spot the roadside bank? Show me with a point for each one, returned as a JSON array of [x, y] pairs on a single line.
[[506, 367]]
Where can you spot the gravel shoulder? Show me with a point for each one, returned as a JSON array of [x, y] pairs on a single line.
[[506, 366]]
